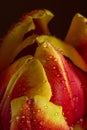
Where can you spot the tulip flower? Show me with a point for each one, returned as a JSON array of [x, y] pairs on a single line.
[[43, 82]]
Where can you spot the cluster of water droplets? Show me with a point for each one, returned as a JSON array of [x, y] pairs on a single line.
[[80, 121], [52, 61]]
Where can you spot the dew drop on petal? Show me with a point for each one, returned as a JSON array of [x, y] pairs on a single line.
[[56, 113], [55, 60], [50, 57], [58, 75], [75, 98], [71, 128], [17, 117], [23, 117], [45, 106], [63, 113], [63, 81], [38, 110], [28, 122], [45, 45], [75, 110], [33, 112], [54, 67], [34, 120], [81, 120], [44, 81], [8, 96], [41, 122]]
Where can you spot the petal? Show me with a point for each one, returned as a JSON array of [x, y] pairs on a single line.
[[38, 113], [66, 85]]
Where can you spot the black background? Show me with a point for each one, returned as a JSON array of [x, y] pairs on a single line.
[[64, 10]]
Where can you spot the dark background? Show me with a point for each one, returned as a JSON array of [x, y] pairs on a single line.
[[64, 10]]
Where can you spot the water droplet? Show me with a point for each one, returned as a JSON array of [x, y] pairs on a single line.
[[71, 128], [38, 110], [75, 98], [54, 67], [56, 113], [63, 113], [81, 120], [45, 106], [55, 59], [50, 57], [33, 112], [28, 102], [8, 96], [28, 122], [44, 81], [34, 120], [64, 117], [17, 117], [75, 110], [58, 75], [45, 45], [63, 81], [23, 117], [78, 122], [41, 122]]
